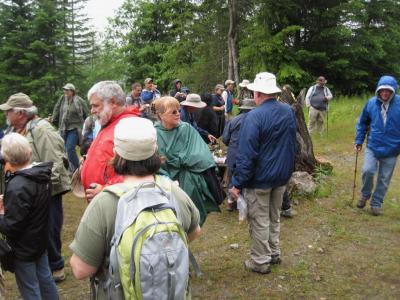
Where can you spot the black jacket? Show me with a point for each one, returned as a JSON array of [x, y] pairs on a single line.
[[208, 120], [173, 92], [26, 211]]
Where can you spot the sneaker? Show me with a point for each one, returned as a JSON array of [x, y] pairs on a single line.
[[251, 265], [275, 260], [362, 202], [231, 206], [59, 275], [288, 213], [376, 211]]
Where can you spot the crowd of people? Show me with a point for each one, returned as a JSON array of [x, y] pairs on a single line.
[[148, 138]]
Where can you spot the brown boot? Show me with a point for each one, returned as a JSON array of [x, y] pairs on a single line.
[[376, 211], [362, 202]]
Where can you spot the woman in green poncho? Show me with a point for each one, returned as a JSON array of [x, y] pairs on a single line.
[[187, 157]]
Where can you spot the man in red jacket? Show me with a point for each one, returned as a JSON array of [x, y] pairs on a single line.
[[107, 101]]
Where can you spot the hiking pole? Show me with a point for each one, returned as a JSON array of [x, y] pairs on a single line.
[[327, 120], [354, 179]]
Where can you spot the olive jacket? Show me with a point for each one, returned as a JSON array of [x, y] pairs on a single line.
[[48, 146]]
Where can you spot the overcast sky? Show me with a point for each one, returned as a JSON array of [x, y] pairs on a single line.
[[100, 10]]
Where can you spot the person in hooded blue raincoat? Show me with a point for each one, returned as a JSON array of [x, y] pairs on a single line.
[[380, 122]]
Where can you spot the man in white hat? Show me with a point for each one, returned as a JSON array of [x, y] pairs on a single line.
[[192, 104], [244, 93], [264, 164]]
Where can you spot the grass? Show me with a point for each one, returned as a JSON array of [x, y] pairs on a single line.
[[330, 250]]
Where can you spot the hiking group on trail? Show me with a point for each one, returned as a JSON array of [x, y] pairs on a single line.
[[150, 179]]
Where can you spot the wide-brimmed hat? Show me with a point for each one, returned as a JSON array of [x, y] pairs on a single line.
[[265, 83], [135, 139], [69, 86], [244, 83], [193, 100], [248, 104], [219, 87], [19, 100], [228, 82], [147, 80], [76, 184]]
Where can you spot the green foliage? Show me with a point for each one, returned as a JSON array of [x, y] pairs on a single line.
[[297, 40], [46, 43], [40, 48]]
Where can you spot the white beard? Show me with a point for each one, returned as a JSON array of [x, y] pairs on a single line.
[[105, 115]]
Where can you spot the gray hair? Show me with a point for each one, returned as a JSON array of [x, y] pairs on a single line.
[[16, 149], [105, 90], [29, 111]]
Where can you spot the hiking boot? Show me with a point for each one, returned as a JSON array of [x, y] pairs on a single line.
[[376, 211], [251, 265], [288, 213], [59, 275], [362, 202], [275, 259]]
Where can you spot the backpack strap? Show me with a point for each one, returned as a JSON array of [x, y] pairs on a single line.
[[118, 189], [195, 265], [166, 183]]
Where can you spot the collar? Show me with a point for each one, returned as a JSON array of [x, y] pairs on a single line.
[[117, 117]]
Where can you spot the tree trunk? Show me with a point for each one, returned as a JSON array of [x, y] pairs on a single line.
[[305, 159], [233, 67]]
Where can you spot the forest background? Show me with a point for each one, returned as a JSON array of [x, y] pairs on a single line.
[[47, 43]]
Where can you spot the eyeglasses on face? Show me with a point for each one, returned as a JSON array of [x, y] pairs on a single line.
[[175, 112]]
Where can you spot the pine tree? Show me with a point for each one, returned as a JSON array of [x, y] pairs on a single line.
[[80, 37], [16, 31]]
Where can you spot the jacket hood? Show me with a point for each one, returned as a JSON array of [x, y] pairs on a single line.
[[387, 82], [40, 173], [176, 81]]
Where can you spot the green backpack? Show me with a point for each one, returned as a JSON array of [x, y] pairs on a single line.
[[149, 257]]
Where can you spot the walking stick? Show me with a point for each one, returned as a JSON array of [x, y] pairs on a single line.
[[354, 179], [327, 120]]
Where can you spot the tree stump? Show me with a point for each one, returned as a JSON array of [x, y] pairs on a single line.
[[305, 159]]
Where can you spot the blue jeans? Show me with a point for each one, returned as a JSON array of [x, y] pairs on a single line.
[[71, 139], [372, 165], [34, 279], [56, 218]]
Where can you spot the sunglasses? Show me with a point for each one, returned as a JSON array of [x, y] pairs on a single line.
[[175, 112]]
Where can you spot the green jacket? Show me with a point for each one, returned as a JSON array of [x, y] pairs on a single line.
[[47, 145], [187, 157], [71, 116]]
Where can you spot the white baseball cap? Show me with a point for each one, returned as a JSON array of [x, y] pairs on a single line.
[[135, 139]]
